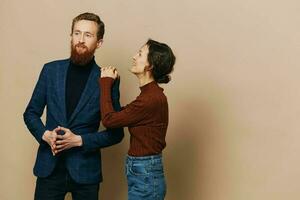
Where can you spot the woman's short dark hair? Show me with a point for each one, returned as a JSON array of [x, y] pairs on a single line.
[[161, 59], [91, 17]]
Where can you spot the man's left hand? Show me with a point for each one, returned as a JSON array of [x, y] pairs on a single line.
[[66, 141]]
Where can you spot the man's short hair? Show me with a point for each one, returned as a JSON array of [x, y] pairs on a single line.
[[91, 17]]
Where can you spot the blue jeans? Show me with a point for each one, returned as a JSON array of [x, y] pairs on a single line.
[[145, 178]]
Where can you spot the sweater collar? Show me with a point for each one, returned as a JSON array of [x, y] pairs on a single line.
[[87, 66], [149, 86]]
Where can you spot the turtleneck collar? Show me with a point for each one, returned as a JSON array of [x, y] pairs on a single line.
[[149, 86], [87, 66]]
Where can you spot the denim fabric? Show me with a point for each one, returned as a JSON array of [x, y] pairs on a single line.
[[145, 178]]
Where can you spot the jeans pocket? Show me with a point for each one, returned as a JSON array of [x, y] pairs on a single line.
[[140, 185], [138, 169], [157, 169]]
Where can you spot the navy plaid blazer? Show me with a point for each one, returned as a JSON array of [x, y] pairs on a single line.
[[83, 163]]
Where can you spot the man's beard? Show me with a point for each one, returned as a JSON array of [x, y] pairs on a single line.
[[81, 58]]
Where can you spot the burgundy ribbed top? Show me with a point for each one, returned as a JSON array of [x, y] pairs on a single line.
[[146, 117]]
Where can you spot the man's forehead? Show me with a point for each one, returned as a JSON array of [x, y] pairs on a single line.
[[85, 24]]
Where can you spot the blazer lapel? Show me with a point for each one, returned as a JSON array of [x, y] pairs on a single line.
[[61, 76], [91, 85]]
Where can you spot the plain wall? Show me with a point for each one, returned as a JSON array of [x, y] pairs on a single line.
[[234, 97]]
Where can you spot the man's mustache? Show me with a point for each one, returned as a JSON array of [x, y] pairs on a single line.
[[81, 45]]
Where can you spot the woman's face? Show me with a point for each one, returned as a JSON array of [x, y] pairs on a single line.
[[140, 61]]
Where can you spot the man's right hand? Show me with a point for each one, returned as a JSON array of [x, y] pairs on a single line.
[[50, 137]]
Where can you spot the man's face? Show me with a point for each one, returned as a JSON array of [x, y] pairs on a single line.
[[84, 41]]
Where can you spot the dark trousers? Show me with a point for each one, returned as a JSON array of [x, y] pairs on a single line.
[[56, 186]]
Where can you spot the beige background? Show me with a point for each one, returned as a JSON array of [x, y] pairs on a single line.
[[234, 98]]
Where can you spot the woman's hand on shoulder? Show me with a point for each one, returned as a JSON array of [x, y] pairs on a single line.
[[109, 72]]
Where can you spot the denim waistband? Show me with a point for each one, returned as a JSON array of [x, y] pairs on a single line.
[[145, 159]]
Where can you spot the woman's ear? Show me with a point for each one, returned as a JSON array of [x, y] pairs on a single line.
[[148, 68]]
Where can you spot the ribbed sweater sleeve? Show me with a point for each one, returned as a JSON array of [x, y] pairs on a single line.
[[130, 115]]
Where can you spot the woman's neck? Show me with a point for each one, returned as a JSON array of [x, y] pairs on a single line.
[[143, 80]]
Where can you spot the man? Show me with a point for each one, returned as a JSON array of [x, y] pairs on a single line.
[[68, 158]]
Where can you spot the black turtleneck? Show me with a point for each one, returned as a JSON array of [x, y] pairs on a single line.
[[77, 77]]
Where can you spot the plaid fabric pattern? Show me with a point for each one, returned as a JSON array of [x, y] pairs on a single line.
[[83, 163]]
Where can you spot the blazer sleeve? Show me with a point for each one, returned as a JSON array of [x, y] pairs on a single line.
[[35, 107]]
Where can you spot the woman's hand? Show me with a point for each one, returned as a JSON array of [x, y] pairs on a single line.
[[109, 72]]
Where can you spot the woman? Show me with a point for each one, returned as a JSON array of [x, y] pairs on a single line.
[[146, 118]]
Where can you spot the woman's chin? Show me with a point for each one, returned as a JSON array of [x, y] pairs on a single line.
[[132, 70]]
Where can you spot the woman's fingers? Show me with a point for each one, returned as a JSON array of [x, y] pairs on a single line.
[[108, 68], [109, 71]]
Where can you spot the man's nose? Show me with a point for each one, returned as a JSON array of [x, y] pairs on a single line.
[[81, 39]]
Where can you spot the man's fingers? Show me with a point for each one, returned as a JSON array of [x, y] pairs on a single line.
[[52, 141], [64, 129], [60, 137], [52, 146], [56, 129], [57, 150], [59, 147], [52, 138], [59, 142], [53, 149]]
